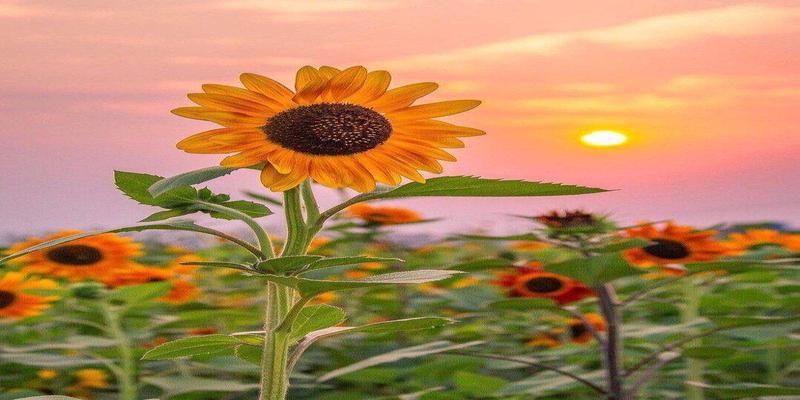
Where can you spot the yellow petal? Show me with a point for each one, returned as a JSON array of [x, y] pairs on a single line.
[[433, 110], [268, 87], [237, 92], [305, 76], [402, 96], [245, 159], [224, 118], [374, 86], [347, 82], [328, 72], [433, 127], [310, 92], [228, 103]]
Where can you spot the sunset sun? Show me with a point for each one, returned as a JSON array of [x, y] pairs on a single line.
[[604, 139]]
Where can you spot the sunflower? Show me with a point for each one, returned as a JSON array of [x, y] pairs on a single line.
[[529, 245], [383, 215], [15, 303], [547, 340], [340, 128], [676, 244], [93, 257], [580, 333], [756, 238], [567, 219], [92, 378], [532, 281], [182, 291]]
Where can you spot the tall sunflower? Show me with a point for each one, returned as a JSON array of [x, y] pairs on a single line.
[[15, 303], [342, 128], [92, 258], [676, 244]]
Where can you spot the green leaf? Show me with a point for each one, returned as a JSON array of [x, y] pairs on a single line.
[[726, 322], [254, 210], [523, 304], [192, 346], [166, 214], [729, 266], [315, 317], [286, 263], [310, 287], [339, 261], [170, 226], [708, 352], [135, 186], [596, 270], [746, 390], [175, 385], [459, 186], [396, 355], [263, 198], [47, 360], [220, 264], [187, 179], [624, 245], [478, 385], [48, 398], [481, 265], [135, 294]]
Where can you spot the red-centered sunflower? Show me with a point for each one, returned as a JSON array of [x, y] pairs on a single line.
[[94, 257], [532, 281], [15, 303], [383, 215], [676, 244], [342, 128], [757, 238]]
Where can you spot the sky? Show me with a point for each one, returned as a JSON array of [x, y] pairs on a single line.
[[708, 91]]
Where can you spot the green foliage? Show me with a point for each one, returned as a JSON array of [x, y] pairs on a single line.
[[309, 287], [596, 270], [315, 317], [187, 179], [192, 346], [471, 186]]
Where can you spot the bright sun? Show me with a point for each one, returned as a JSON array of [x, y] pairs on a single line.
[[604, 138]]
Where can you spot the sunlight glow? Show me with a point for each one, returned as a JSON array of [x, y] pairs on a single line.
[[604, 139]]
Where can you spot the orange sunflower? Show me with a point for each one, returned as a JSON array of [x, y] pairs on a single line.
[[93, 257], [15, 303], [580, 333], [383, 215], [182, 291], [755, 238], [676, 244], [532, 281], [341, 128]]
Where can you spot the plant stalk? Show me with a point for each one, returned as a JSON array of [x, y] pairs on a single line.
[[126, 375], [274, 373], [613, 349], [689, 313]]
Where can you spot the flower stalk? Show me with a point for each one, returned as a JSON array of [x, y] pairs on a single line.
[[126, 374]]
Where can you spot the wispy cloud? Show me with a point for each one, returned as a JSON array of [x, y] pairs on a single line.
[[15, 10], [648, 33], [306, 9]]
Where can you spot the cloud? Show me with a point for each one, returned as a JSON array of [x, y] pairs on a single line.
[[648, 33], [301, 9], [16, 10]]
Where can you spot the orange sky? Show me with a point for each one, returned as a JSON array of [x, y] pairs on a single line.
[[709, 91]]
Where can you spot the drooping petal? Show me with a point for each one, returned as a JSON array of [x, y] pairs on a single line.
[[433, 110], [402, 97]]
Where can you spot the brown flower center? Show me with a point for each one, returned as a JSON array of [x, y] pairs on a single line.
[[577, 330], [667, 249], [331, 129], [544, 285], [6, 298], [76, 254]]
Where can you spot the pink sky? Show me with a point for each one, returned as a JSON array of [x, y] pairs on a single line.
[[708, 90]]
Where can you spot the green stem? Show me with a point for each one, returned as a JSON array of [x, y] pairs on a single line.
[[689, 313], [263, 239], [613, 348], [312, 208], [296, 236], [126, 375], [274, 373], [773, 365]]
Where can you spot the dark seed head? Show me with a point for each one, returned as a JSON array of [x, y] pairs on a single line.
[[577, 330], [569, 219], [328, 129], [667, 249], [76, 254], [544, 285], [6, 298]]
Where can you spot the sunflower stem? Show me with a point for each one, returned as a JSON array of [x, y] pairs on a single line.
[[126, 374], [613, 349], [689, 313], [274, 373]]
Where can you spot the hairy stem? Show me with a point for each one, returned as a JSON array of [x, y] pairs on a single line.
[[613, 348], [274, 374], [126, 374]]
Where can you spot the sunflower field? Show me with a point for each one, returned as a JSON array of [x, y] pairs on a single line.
[[336, 306]]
